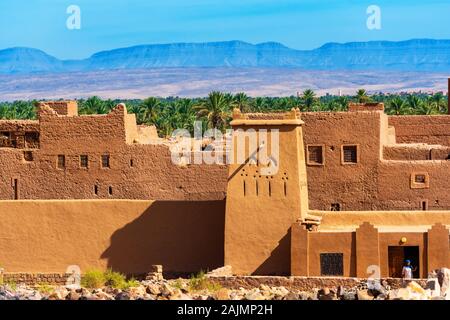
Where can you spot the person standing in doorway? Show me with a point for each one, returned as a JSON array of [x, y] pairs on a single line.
[[408, 269]]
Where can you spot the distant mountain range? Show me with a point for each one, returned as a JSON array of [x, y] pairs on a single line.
[[412, 55]]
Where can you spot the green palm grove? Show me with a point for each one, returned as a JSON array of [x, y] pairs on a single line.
[[171, 113]]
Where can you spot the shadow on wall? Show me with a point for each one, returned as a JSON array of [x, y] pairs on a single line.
[[279, 262], [183, 236]]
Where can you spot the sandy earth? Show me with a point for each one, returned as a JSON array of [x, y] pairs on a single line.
[[195, 82]]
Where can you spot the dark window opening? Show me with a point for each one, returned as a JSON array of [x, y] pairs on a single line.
[[285, 188], [420, 178], [335, 207], [110, 191], [28, 156], [84, 161], [257, 187], [105, 161], [16, 189], [397, 255], [350, 154], [424, 205], [96, 190], [31, 140], [61, 161], [5, 139], [131, 163], [245, 189], [332, 264], [270, 189], [315, 155]]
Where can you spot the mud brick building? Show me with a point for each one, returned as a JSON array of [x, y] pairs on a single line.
[[66, 156], [355, 191], [350, 160], [356, 160]]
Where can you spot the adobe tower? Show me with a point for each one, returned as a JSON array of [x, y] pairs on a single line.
[[265, 195]]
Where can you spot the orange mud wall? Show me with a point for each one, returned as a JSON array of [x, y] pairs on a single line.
[[353, 186], [136, 171], [427, 129], [381, 179], [126, 235], [365, 248], [260, 209]]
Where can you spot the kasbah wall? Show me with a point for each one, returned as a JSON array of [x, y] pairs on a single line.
[[188, 214], [140, 165]]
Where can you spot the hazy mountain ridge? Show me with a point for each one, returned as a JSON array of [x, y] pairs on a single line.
[[412, 55]]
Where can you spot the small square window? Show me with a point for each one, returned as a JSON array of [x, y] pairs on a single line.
[[420, 180], [105, 161], [61, 161], [28, 156], [331, 264], [314, 155], [349, 154], [84, 161]]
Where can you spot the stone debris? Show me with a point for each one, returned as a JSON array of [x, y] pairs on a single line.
[[179, 289], [156, 273], [364, 295], [441, 279]]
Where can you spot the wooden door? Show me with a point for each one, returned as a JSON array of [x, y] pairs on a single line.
[[396, 261]]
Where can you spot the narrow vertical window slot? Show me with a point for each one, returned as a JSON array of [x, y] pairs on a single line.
[[16, 189]]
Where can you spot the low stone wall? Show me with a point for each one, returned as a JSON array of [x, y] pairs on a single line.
[[36, 278], [229, 282], [299, 283]]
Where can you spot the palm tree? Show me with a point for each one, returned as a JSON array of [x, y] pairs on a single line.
[[308, 99], [4, 111], [287, 103], [92, 105], [215, 109], [343, 102], [184, 115], [241, 101], [22, 110], [333, 105], [259, 104], [149, 108], [397, 106], [361, 96], [109, 105], [427, 109], [414, 103], [439, 101], [136, 110], [228, 98]]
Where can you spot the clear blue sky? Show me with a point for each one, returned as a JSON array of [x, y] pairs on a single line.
[[300, 24]]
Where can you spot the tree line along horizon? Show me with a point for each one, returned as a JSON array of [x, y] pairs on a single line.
[[215, 110]]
